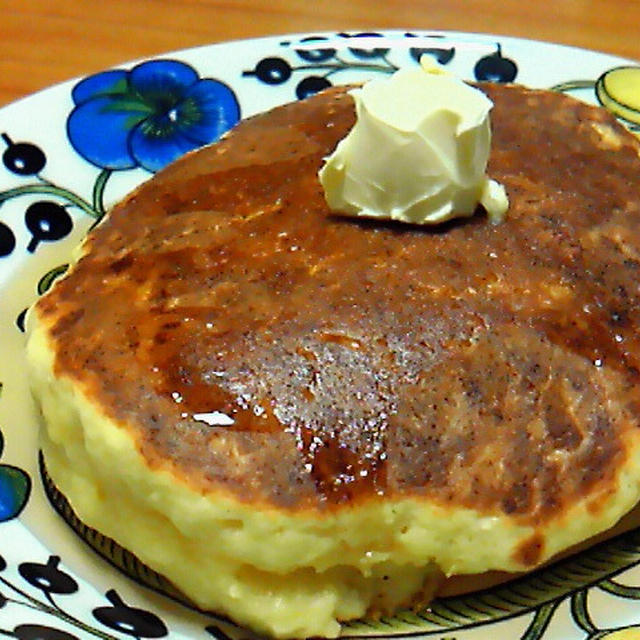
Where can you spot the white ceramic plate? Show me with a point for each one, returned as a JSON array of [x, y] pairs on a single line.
[[57, 175]]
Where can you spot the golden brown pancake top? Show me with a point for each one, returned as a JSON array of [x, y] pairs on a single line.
[[479, 365]]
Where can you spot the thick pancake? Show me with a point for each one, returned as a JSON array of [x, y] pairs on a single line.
[[465, 396]]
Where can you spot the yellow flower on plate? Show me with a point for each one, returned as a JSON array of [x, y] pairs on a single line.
[[619, 91]]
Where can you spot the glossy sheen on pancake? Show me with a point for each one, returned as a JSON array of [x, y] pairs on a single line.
[[471, 365]]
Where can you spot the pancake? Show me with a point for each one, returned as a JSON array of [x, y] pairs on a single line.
[[282, 410]]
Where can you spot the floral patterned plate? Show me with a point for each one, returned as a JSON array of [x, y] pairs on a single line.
[[70, 152]]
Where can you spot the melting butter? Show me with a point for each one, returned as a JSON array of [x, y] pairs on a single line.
[[417, 153]]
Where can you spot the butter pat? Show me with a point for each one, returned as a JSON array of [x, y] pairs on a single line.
[[418, 152]]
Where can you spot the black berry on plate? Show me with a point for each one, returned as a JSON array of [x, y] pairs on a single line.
[[315, 55], [47, 577], [23, 158], [129, 620], [495, 68], [310, 85], [41, 632], [47, 221], [375, 52], [271, 71], [441, 56], [7, 240]]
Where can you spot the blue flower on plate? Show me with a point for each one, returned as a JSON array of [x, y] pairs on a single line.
[[148, 116], [15, 487]]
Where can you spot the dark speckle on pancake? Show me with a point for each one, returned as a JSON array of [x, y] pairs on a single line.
[[266, 348]]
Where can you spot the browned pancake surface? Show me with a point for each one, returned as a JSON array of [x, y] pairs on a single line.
[[494, 367]]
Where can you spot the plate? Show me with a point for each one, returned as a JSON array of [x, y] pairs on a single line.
[[57, 177]]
